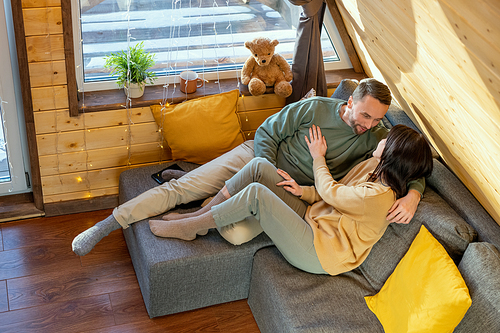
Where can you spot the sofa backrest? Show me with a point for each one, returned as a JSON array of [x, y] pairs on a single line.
[[453, 191]]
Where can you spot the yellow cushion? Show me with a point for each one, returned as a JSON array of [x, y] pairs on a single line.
[[201, 129], [425, 293]]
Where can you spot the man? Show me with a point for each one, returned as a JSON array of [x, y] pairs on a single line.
[[352, 130]]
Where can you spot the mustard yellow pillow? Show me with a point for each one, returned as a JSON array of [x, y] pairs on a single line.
[[425, 293], [201, 129]]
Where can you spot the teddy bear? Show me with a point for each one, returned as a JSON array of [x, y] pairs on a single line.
[[265, 70]]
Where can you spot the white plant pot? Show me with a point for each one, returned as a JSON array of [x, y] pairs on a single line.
[[136, 90]]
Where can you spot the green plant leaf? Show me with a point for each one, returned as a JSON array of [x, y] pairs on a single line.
[[131, 65]]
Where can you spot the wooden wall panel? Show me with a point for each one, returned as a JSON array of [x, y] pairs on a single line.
[[55, 164], [56, 121], [395, 53], [482, 16], [121, 135], [49, 98], [45, 48], [250, 120], [40, 3], [118, 117], [42, 21], [249, 103], [475, 52], [60, 143], [81, 157], [58, 198], [441, 59], [60, 121], [50, 73], [87, 139], [81, 181], [102, 158]]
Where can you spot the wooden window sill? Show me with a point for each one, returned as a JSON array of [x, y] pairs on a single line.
[[115, 99]]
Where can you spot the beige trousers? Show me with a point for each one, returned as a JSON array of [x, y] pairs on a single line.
[[198, 184]]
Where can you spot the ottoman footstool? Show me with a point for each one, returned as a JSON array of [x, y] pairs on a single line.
[[176, 275]]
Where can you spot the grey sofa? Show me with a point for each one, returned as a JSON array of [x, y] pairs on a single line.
[[176, 276]]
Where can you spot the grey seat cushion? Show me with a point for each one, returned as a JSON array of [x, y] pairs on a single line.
[[480, 268], [284, 299], [345, 89], [453, 191], [396, 115]]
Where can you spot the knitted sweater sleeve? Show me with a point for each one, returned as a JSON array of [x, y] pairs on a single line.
[[348, 200], [278, 127]]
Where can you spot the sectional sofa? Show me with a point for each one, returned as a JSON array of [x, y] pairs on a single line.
[[176, 275]]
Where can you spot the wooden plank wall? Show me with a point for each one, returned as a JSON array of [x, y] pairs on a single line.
[[441, 59], [82, 157]]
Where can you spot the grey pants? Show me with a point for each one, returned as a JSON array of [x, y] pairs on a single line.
[[254, 194], [200, 183]]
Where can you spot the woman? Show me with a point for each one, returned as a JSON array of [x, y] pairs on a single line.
[[328, 228]]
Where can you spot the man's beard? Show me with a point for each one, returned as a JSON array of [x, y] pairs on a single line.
[[356, 128]]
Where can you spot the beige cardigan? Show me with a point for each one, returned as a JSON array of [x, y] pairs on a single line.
[[347, 217]]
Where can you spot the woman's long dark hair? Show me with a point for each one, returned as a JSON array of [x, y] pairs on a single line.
[[406, 157]]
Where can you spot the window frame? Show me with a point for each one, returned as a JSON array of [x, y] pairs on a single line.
[[82, 87]]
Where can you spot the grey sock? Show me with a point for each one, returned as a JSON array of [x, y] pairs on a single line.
[[218, 198], [185, 229], [85, 242]]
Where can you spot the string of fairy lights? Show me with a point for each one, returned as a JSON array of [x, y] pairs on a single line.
[[57, 132], [172, 65], [86, 130], [128, 104]]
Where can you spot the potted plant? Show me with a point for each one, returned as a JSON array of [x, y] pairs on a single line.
[[138, 62]]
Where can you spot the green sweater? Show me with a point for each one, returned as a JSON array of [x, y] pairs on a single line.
[[281, 140]]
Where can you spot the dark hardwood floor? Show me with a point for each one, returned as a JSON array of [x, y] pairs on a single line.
[[45, 287]]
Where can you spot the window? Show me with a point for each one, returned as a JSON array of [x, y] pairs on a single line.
[[206, 36]]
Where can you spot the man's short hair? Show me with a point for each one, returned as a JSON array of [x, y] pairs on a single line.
[[375, 89]]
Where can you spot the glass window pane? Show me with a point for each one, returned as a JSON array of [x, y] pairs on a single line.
[[4, 159], [201, 35]]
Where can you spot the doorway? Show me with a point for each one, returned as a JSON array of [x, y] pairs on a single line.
[[14, 161]]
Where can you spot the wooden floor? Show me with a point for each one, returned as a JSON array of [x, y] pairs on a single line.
[[45, 287]]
